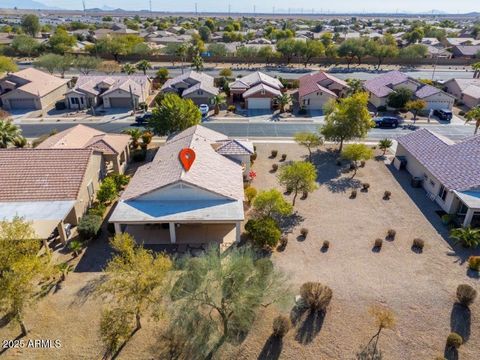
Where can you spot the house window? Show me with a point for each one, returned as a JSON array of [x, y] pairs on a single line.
[[200, 92], [442, 193], [90, 190]]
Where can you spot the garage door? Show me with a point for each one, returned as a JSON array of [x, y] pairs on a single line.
[[22, 104], [259, 103], [120, 102]]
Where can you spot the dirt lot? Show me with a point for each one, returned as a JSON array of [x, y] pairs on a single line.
[[420, 288]]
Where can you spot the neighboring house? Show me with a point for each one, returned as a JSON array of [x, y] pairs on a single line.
[[257, 89], [449, 42], [48, 187], [466, 51], [316, 89], [449, 172], [114, 147], [437, 52], [165, 204], [199, 87], [381, 87], [465, 90], [113, 91], [31, 89]]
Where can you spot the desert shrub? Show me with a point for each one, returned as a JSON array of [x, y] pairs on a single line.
[[365, 186], [461, 113], [281, 325], [108, 191], [454, 340], [387, 194], [231, 108], [304, 194], [378, 243], [284, 157], [316, 295], [89, 226], [391, 234], [474, 263], [250, 193], [304, 232], [121, 180], [418, 243], [274, 153], [466, 294], [353, 194], [362, 163], [253, 157], [274, 167], [283, 242], [264, 232], [75, 246], [326, 244], [97, 209]]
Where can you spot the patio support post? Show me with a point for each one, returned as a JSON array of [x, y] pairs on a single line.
[[237, 231], [468, 218], [62, 233], [173, 238], [118, 228], [116, 165]]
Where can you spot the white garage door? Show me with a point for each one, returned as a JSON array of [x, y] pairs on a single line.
[[259, 103], [22, 104], [120, 102]]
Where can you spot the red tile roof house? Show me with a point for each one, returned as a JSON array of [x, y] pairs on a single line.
[[114, 147], [48, 187], [382, 86], [198, 87], [316, 89], [450, 172], [258, 90], [31, 89], [165, 204]]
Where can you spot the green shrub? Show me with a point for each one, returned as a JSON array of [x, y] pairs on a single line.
[[263, 232], [474, 263], [454, 340], [326, 244], [121, 180], [108, 191], [466, 294], [97, 209], [316, 295], [281, 325], [231, 108], [274, 167], [250, 193], [304, 232], [284, 157], [253, 157], [418, 244], [75, 246], [386, 195], [89, 226], [274, 153], [391, 234], [378, 243]]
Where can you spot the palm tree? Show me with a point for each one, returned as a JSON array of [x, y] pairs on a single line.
[[476, 69], [217, 101], [135, 135], [181, 52], [197, 62], [75, 247], [129, 69], [144, 65], [474, 115], [384, 145], [283, 100], [468, 237], [8, 132]]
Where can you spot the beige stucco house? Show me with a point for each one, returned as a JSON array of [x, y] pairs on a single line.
[[31, 89], [466, 91], [316, 89], [257, 90], [48, 187], [199, 87]]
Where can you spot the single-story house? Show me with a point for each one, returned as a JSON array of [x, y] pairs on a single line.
[[316, 89], [464, 90], [113, 91], [448, 171], [257, 89], [199, 87], [165, 203], [466, 51], [382, 86], [48, 187], [114, 147], [31, 89]]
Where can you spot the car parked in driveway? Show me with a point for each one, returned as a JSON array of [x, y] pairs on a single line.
[[143, 118], [443, 114], [204, 109], [386, 121]]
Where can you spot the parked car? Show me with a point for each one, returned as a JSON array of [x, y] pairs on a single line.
[[386, 121], [143, 118], [443, 114], [204, 109]]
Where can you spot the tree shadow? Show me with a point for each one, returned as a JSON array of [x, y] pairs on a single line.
[[5, 320], [461, 320], [88, 291], [343, 184], [473, 274], [288, 223], [272, 348], [309, 326]]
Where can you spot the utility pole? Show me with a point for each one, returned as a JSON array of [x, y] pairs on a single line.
[[273, 10], [150, 3], [84, 8], [229, 9], [254, 10], [196, 9]]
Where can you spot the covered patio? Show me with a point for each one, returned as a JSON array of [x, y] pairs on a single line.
[[469, 208]]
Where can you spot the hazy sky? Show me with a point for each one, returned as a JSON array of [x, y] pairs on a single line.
[[452, 6]]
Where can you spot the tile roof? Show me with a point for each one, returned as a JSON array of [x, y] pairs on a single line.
[[38, 83], [258, 77], [42, 174], [310, 83], [426, 91], [210, 170], [456, 166], [259, 87], [201, 86], [89, 83], [468, 50], [85, 137], [234, 147], [190, 78], [382, 85]]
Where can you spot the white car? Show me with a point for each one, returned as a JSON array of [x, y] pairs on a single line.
[[204, 109]]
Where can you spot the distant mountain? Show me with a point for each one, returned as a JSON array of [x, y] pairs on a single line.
[[105, 8], [25, 4]]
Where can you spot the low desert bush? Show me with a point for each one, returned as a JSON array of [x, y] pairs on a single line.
[[304, 232], [454, 340], [250, 193], [386, 195], [283, 242], [474, 263], [231, 108], [365, 186], [274, 167], [378, 243], [89, 226], [326, 244], [362, 163], [274, 153], [284, 157], [353, 194], [418, 243], [97, 209], [304, 195], [466, 294], [281, 325], [391, 234], [316, 295]]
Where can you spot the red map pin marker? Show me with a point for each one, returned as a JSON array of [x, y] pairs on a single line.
[[187, 157]]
